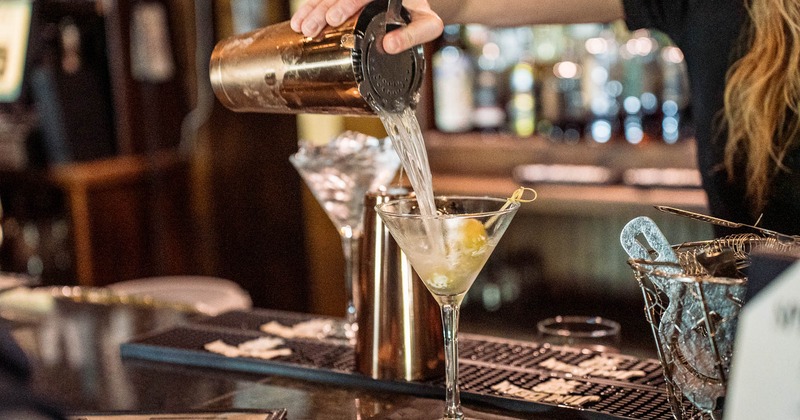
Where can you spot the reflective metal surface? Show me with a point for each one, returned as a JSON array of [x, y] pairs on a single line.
[[399, 326], [74, 350], [341, 71]]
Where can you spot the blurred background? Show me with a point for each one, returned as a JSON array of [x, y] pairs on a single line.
[[117, 162]]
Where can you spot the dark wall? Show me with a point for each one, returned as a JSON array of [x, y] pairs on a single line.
[[255, 212]]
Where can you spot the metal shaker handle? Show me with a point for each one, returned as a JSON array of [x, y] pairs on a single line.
[[394, 18]]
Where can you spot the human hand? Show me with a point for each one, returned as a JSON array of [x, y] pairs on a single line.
[[425, 24]]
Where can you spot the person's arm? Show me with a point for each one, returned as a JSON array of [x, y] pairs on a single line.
[[425, 24], [428, 18], [504, 13]]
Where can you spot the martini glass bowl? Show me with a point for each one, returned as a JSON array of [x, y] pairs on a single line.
[[339, 174], [448, 251]]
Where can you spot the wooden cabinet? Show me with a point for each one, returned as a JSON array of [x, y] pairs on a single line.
[[228, 204], [130, 217]]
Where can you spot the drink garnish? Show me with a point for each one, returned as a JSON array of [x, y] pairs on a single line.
[[473, 234], [516, 197]]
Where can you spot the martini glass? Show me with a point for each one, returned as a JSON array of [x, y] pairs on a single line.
[[339, 174], [448, 250]]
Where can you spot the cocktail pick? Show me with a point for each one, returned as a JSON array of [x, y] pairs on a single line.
[[516, 197]]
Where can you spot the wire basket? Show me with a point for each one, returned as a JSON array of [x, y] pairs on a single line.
[[692, 296]]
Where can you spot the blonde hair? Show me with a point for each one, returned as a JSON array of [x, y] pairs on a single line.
[[762, 95]]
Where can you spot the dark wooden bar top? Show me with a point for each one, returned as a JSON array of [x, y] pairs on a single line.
[[75, 352]]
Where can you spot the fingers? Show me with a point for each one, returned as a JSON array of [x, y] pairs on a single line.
[[425, 26], [310, 18], [341, 10], [313, 15], [301, 14]]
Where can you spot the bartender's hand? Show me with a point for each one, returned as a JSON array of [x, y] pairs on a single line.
[[425, 24]]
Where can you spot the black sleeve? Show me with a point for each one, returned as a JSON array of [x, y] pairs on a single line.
[[668, 16], [17, 400]]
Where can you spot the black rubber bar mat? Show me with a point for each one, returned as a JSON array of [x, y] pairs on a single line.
[[520, 376]]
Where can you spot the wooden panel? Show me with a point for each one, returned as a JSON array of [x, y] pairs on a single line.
[[247, 197], [148, 112], [325, 260], [130, 217], [256, 213]]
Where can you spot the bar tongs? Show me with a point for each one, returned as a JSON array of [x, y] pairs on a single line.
[[782, 237]]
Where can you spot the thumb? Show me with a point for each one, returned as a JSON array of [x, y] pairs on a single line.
[[424, 27]]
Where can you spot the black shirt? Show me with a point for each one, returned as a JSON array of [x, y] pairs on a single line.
[[17, 400], [708, 32]]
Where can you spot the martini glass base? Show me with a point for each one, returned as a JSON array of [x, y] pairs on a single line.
[[351, 242], [448, 250], [450, 313]]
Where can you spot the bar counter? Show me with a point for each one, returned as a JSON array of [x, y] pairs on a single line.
[[75, 352]]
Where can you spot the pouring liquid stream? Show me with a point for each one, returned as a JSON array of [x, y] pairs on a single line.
[[406, 135]]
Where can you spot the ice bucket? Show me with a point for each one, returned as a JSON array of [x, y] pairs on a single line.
[[693, 292]]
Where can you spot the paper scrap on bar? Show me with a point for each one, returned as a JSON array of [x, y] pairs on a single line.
[[261, 348], [313, 328]]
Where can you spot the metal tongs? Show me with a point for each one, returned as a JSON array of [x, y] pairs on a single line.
[[394, 18], [726, 223]]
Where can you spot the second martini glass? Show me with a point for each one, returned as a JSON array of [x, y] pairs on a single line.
[[448, 250], [339, 174]]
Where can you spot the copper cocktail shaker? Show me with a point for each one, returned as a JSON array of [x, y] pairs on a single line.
[[399, 326], [344, 70]]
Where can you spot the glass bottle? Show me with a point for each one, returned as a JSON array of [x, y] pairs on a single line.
[[453, 74], [674, 95], [489, 114], [521, 107]]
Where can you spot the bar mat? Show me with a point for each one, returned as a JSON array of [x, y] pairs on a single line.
[[239, 414], [520, 376]]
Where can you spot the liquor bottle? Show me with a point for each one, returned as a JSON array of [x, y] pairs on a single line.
[[563, 85], [652, 80], [601, 85], [521, 107], [674, 95], [453, 74], [548, 43], [70, 82], [489, 114], [640, 86]]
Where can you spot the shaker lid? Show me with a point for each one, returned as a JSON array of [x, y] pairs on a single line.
[[388, 82]]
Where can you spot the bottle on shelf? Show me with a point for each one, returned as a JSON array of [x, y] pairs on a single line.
[[489, 114], [674, 95], [594, 83], [641, 78], [560, 71], [453, 74], [521, 106], [601, 85]]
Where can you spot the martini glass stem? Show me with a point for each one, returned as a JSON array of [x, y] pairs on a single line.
[[452, 409], [350, 245]]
